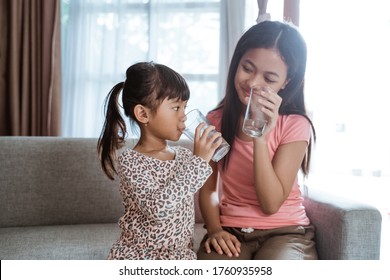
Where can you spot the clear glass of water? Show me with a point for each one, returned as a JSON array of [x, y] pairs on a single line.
[[194, 118], [255, 120]]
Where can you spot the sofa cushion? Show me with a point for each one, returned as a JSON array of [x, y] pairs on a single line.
[[200, 231], [71, 242], [76, 242], [56, 181], [341, 226]]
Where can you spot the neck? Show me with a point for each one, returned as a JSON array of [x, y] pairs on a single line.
[[158, 149], [154, 145]]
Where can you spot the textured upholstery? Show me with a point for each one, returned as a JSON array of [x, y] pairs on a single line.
[[56, 203], [345, 229], [77, 242]]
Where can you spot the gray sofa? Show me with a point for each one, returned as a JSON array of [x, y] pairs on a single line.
[[56, 203]]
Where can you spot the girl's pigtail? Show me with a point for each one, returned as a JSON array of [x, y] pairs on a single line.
[[113, 133]]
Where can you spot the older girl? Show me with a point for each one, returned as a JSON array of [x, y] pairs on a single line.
[[260, 213]]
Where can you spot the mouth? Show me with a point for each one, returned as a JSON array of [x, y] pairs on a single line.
[[247, 92], [182, 129], [246, 95]]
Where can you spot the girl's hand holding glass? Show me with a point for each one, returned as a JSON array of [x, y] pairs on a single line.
[[271, 104], [206, 143], [262, 111], [205, 138]]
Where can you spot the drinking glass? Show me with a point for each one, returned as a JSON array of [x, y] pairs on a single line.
[[194, 118], [255, 120]]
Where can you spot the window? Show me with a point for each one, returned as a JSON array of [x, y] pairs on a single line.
[[347, 84], [347, 92], [102, 38]]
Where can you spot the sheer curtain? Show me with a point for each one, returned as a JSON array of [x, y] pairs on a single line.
[[102, 38], [232, 27]]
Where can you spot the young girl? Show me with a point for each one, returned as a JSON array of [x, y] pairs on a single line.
[[260, 213], [157, 182]]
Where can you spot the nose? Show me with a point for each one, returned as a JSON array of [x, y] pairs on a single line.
[[257, 82], [183, 117], [183, 120]]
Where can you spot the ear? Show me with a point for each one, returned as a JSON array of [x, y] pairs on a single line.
[[141, 113]]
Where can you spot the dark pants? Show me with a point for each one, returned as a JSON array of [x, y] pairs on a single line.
[[286, 243]]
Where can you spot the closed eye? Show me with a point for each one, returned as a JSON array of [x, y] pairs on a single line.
[[271, 81], [247, 69], [271, 77]]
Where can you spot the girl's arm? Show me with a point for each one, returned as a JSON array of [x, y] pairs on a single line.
[[274, 179], [222, 241]]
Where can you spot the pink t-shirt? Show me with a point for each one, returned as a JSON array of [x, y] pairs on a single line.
[[239, 206]]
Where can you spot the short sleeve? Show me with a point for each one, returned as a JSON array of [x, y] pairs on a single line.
[[215, 117], [294, 128]]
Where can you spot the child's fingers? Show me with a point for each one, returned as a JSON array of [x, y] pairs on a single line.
[[213, 138], [206, 141], [216, 140], [198, 130], [206, 132]]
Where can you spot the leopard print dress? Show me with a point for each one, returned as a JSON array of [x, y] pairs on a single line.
[[158, 196]]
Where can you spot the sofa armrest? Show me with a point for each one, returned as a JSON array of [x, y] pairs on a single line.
[[345, 229]]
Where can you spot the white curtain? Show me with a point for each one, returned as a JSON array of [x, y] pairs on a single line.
[[96, 52], [232, 27], [101, 39], [234, 16]]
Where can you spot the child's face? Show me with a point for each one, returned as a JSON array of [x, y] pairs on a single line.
[[168, 121], [260, 67]]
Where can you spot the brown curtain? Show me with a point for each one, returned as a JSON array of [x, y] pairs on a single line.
[[30, 65]]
